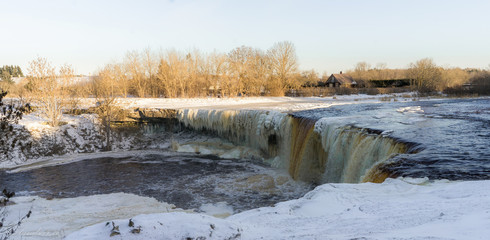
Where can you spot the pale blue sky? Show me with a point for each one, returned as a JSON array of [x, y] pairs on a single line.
[[329, 35]]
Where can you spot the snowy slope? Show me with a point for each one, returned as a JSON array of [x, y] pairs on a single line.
[[395, 209]]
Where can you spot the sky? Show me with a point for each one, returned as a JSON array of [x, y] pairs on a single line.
[[329, 35]]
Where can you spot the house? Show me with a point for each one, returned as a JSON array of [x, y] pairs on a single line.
[[337, 80]]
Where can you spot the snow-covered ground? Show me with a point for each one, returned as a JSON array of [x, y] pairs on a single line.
[[55, 218], [396, 209], [256, 103]]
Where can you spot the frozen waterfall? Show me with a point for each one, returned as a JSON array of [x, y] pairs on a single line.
[[314, 151]]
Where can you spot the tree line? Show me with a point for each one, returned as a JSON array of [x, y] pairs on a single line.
[[6, 75], [8, 72], [171, 73], [424, 75], [244, 71]]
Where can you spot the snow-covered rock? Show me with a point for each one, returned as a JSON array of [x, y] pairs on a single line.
[[33, 139]]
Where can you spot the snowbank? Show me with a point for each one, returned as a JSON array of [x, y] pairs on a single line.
[[163, 227], [396, 209], [53, 219], [33, 140], [256, 103]]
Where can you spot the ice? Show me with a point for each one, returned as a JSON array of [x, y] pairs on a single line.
[[413, 109], [219, 209]]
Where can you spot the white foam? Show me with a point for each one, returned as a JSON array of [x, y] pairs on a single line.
[[219, 209]]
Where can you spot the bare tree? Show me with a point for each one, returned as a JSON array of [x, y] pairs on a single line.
[[284, 64], [239, 66], [136, 73], [259, 71], [197, 82], [105, 90], [308, 78], [48, 89], [361, 70], [219, 72], [71, 95], [150, 66], [380, 71], [425, 75], [451, 77], [173, 74], [121, 79]]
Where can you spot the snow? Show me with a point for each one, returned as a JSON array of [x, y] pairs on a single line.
[[54, 218], [256, 103], [164, 226], [219, 209], [394, 209], [413, 109], [400, 208], [33, 138], [66, 159]]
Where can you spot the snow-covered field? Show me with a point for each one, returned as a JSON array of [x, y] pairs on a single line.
[[257, 103], [396, 209]]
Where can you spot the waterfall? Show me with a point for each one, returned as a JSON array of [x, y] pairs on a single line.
[[314, 151], [301, 131]]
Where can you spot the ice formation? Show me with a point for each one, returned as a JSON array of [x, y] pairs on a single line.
[[315, 151]]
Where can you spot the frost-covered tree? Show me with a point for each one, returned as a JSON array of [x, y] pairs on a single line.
[[9, 115]]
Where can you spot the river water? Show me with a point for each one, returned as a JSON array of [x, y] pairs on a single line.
[[452, 135], [450, 140], [186, 180]]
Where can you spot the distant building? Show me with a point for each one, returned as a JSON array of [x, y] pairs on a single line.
[[338, 80]]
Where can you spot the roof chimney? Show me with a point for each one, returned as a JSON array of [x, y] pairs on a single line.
[[340, 72]]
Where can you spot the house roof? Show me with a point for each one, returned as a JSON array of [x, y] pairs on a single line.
[[341, 78]]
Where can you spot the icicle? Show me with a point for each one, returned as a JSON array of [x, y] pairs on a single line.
[[312, 151]]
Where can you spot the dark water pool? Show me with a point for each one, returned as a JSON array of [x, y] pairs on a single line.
[[186, 180]]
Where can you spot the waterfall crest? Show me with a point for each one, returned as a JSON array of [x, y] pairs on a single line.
[[314, 151]]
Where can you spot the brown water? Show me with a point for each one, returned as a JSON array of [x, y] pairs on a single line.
[[186, 180]]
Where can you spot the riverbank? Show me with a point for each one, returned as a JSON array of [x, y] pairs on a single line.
[[34, 140], [396, 209]]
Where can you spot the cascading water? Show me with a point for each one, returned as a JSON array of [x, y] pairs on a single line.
[[301, 131], [311, 150]]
